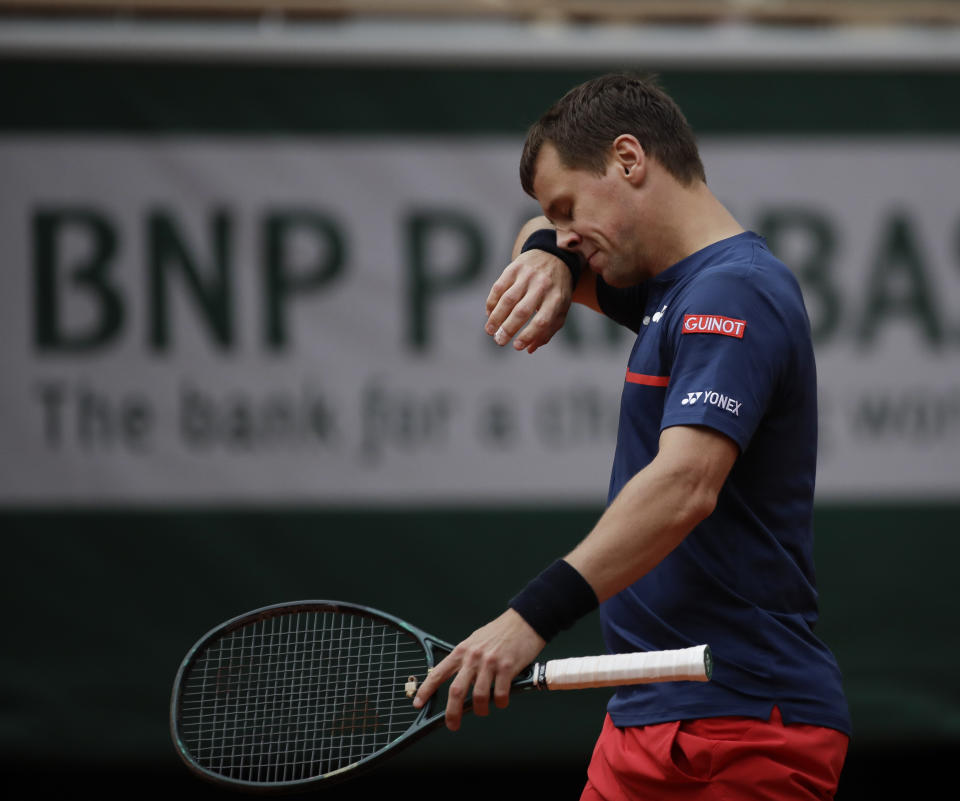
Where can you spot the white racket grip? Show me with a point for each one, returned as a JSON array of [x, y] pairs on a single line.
[[683, 664]]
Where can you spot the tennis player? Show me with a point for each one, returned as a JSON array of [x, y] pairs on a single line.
[[707, 536]]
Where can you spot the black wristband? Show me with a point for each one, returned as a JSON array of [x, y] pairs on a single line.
[[555, 600], [546, 239]]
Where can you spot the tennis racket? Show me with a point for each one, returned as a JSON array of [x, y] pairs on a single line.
[[308, 693]]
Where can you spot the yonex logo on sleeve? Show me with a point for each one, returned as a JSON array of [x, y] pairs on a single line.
[[714, 398], [713, 324]]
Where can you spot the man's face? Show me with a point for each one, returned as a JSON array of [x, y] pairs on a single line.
[[592, 215]]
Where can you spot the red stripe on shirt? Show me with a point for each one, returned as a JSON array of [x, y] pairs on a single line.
[[647, 380]]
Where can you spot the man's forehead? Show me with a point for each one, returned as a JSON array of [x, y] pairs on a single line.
[[547, 171]]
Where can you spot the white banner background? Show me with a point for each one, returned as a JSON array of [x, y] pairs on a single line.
[[366, 417]]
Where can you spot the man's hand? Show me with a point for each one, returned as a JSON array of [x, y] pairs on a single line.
[[490, 657], [535, 290]]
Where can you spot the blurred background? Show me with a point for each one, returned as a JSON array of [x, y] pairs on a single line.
[[246, 248]]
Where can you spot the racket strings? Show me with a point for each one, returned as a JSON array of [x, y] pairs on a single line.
[[299, 695]]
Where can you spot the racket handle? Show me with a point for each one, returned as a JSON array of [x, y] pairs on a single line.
[[684, 664]]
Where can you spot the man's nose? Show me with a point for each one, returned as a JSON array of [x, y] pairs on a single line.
[[567, 239]]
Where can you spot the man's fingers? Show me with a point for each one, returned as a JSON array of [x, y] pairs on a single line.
[[499, 318], [459, 691], [526, 279], [437, 676], [481, 689], [457, 696], [540, 330], [473, 681], [489, 658], [501, 285], [527, 304], [519, 305]]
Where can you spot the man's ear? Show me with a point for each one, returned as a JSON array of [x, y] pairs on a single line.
[[629, 157]]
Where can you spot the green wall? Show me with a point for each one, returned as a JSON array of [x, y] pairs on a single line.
[[109, 602], [102, 604]]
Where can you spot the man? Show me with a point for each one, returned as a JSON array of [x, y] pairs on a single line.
[[707, 537]]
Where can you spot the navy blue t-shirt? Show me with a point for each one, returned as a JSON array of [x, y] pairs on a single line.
[[724, 341]]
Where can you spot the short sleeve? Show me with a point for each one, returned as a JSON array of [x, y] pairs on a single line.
[[731, 344]]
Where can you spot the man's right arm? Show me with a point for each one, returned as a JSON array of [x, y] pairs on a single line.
[[532, 296]]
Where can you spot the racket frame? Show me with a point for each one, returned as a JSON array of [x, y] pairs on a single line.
[[434, 648]]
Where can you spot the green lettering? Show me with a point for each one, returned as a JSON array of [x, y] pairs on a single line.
[[54, 269], [210, 289], [898, 286], [425, 278], [285, 232]]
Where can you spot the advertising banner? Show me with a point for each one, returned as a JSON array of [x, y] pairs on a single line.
[[279, 320]]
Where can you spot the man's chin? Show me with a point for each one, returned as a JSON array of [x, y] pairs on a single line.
[[616, 281]]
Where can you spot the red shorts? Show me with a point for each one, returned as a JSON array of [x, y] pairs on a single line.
[[716, 759]]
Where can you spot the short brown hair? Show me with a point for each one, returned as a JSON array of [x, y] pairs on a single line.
[[584, 122]]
